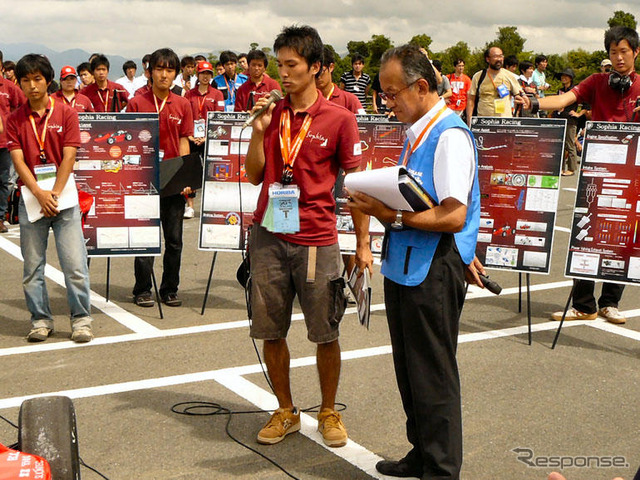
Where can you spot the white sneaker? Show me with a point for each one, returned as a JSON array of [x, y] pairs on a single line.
[[189, 212], [612, 315]]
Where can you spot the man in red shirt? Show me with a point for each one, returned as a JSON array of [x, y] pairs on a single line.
[[105, 95], [176, 126], [68, 92], [11, 97], [330, 90], [460, 84], [259, 84], [43, 136], [296, 150], [612, 97]]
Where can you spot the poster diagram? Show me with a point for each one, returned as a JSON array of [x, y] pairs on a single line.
[[117, 169], [604, 242], [519, 162]]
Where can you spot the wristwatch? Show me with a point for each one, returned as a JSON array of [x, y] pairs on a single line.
[[397, 224]]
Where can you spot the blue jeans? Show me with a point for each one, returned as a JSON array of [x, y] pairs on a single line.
[[72, 253], [5, 170]]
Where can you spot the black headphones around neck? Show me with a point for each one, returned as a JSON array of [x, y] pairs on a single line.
[[619, 82]]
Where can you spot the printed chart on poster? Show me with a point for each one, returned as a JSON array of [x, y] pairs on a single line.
[[223, 221], [117, 168], [381, 142], [519, 162], [605, 242]]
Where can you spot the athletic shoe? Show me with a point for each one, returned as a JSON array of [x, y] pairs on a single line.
[[82, 335], [573, 314], [332, 429], [39, 334], [3, 227], [612, 315], [189, 212], [144, 300], [171, 300], [283, 422]]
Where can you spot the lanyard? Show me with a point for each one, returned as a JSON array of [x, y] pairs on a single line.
[[333, 87], [405, 158], [201, 99], [290, 151], [41, 138], [230, 89], [105, 101], [164, 102], [71, 103]]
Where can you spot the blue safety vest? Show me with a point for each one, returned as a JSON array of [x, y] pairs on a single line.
[[408, 253]]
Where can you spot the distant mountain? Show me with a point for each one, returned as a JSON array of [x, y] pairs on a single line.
[[73, 57]]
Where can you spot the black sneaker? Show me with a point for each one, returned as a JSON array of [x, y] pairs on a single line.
[[144, 300], [171, 300]]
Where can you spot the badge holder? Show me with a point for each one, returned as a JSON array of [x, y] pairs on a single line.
[[282, 214]]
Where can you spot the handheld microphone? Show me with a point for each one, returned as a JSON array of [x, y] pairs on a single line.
[[489, 284], [274, 96]]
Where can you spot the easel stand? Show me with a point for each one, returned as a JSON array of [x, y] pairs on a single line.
[[564, 314], [528, 279], [153, 278], [206, 293]]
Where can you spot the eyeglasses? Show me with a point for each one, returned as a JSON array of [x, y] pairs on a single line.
[[392, 96]]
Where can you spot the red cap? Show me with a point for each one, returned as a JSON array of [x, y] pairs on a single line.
[[205, 67], [67, 72]]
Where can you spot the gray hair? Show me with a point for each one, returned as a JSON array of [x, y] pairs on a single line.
[[415, 64]]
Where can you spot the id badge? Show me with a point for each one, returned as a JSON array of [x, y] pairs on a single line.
[[503, 91], [285, 215], [161, 154], [198, 128], [499, 105], [43, 172]]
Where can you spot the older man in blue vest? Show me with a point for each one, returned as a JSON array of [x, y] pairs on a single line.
[[424, 265]]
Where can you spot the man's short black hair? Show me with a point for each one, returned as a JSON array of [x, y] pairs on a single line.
[[200, 58], [164, 57], [187, 60], [84, 66], [1, 58], [99, 60], [257, 55], [356, 57], [304, 40], [619, 33], [228, 56], [510, 61], [9, 65], [218, 64], [539, 59], [327, 56], [457, 62], [415, 64], [525, 65], [127, 65], [34, 63], [241, 55]]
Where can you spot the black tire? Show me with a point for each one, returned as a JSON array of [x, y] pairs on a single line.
[[47, 428], [111, 141], [128, 137]]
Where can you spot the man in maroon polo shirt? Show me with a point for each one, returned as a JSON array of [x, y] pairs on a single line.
[[43, 136], [296, 150], [176, 126], [11, 97], [68, 92], [330, 90], [259, 84], [102, 91]]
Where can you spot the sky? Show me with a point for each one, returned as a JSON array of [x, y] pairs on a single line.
[[132, 28]]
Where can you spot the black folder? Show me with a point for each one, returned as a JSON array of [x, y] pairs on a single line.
[[180, 172]]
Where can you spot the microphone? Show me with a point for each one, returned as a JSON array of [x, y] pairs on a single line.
[[274, 96], [489, 284]]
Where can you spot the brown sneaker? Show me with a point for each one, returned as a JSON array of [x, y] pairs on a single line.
[[283, 422], [332, 429], [3, 227], [573, 314], [613, 315]]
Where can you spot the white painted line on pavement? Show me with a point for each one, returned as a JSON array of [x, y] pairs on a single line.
[[562, 229], [570, 189], [119, 314]]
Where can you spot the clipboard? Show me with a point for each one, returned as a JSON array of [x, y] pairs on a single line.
[[180, 172]]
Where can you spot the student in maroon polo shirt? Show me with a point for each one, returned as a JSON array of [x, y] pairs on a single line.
[[323, 138], [259, 84], [11, 97], [43, 136], [176, 126], [102, 91], [330, 90], [68, 92]]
